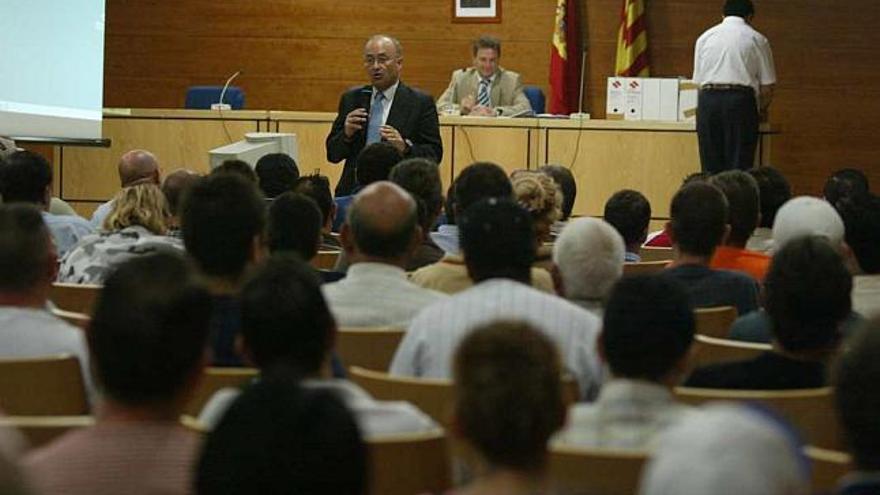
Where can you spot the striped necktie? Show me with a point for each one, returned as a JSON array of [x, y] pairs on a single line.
[[377, 112], [483, 95]]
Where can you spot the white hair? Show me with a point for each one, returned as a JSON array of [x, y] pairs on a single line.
[[807, 216], [589, 253]]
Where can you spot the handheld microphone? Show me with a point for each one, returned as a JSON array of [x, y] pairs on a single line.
[[220, 105], [366, 97]]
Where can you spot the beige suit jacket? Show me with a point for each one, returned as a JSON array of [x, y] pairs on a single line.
[[506, 93]]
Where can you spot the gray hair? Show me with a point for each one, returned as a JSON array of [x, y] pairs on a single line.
[[589, 253]]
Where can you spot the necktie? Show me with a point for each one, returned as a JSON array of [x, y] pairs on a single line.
[[377, 111], [483, 96]]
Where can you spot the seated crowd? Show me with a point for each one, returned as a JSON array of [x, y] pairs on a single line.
[[498, 291]]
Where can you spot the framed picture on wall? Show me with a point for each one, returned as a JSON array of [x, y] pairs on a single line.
[[488, 11]]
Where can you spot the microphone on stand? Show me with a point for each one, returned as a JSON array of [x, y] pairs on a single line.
[[220, 105]]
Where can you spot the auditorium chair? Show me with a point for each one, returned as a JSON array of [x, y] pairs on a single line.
[[536, 98], [811, 411], [325, 259], [370, 348], [41, 430], [828, 467], [716, 321], [42, 386], [76, 319], [655, 253], [644, 268], [709, 350], [595, 471], [79, 298], [409, 464], [214, 379]]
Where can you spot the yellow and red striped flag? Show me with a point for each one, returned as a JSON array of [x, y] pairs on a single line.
[[632, 41]]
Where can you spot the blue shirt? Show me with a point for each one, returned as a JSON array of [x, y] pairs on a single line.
[[447, 238], [67, 230], [100, 214]]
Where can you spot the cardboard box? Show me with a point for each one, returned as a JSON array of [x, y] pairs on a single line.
[[634, 95], [615, 100], [687, 100], [669, 100], [651, 98]]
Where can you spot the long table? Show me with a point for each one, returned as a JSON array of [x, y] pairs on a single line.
[[604, 155]]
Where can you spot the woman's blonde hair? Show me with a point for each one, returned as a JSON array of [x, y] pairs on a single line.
[[538, 194], [144, 205]]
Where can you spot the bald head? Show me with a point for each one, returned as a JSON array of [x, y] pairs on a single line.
[[138, 167], [382, 223]]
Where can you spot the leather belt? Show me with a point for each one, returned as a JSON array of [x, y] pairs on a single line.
[[726, 87]]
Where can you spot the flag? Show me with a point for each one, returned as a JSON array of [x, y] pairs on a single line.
[[565, 59], [632, 41]]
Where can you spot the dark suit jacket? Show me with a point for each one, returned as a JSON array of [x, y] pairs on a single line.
[[769, 371], [412, 113]]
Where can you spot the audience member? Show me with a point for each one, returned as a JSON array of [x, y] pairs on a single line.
[[856, 377], [629, 212], [862, 225], [542, 198], [317, 187], [728, 449], [589, 254], [497, 238], [421, 178], [295, 227], [774, 191], [136, 226], [147, 338], [276, 174], [508, 402], [446, 235], [806, 215], [379, 237], [565, 180], [222, 219], [28, 266], [240, 168], [808, 297], [134, 167], [374, 163], [646, 336], [287, 325], [449, 275], [174, 187], [26, 177], [280, 438], [698, 225], [661, 237], [743, 201], [846, 184]]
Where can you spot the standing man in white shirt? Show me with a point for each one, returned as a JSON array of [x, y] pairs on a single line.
[[733, 66]]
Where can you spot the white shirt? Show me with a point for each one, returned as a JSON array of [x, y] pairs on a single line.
[[100, 214], [375, 418], [428, 346], [761, 241], [866, 295], [446, 238], [734, 53], [389, 93], [31, 332], [628, 414], [376, 295]]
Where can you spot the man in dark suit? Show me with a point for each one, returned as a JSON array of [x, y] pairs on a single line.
[[385, 110]]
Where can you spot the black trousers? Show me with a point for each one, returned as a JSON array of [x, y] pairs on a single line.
[[727, 128]]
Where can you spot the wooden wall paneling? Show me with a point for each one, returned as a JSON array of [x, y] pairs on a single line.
[[508, 147]]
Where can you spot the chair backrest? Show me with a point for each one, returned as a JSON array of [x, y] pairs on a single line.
[[655, 253], [79, 298], [370, 348], [202, 97], [42, 386], [433, 397], [811, 411], [709, 350], [214, 379], [42, 430], [595, 471], [644, 268], [828, 467], [409, 464], [716, 321], [536, 98], [79, 320], [325, 259]]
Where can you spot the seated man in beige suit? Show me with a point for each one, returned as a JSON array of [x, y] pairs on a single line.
[[486, 89]]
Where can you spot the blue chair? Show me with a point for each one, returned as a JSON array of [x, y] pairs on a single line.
[[202, 97], [536, 98]]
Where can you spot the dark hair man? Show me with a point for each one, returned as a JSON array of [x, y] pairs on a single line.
[[276, 174], [629, 212], [647, 333], [421, 178], [741, 191], [847, 183], [223, 219], [808, 296], [26, 177], [734, 67], [861, 219], [485, 89], [238, 167], [698, 226], [385, 110], [774, 191], [374, 163], [295, 224], [564, 178], [317, 187], [498, 239], [174, 187], [379, 237], [147, 338]]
